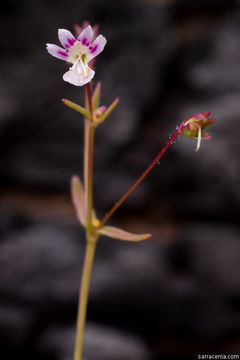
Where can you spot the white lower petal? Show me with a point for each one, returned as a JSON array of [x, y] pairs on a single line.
[[73, 77]]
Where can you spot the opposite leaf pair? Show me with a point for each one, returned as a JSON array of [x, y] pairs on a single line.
[[78, 198], [100, 113]]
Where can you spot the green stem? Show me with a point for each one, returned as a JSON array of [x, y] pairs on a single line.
[[91, 238], [83, 297]]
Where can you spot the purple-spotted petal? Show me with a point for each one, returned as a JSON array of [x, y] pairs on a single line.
[[56, 51], [79, 80], [97, 46], [86, 36], [66, 38]]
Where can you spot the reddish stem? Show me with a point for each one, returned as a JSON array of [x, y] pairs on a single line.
[[144, 174], [89, 97]]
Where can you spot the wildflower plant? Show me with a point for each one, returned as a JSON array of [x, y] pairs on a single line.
[[80, 52]]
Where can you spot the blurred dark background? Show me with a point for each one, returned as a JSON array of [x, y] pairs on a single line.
[[177, 295]]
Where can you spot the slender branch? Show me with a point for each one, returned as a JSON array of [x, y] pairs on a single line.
[[144, 174]]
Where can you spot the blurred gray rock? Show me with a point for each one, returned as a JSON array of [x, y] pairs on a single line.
[[218, 72], [16, 323], [101, 343], [215, 256], [41, 263]]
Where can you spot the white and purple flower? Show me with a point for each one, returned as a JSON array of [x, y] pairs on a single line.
[[78, 52]]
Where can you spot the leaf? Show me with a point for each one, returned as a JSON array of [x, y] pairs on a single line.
[[78, 199], [78, 108], [120, 234], [96, 96]]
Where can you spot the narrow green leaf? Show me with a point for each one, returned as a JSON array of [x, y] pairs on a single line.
[[78, 199], [78, 108], [120, 234], [108, 111], [96, 96]]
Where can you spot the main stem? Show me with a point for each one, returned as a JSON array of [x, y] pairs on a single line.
[[143, 175], [83, 298], [91, 238]]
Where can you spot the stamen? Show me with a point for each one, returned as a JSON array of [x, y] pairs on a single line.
[[80, 65], [83, 67], [199, 138], [75, 64]]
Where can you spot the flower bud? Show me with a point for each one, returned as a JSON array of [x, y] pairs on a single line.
[[98, 113], [193, 127]]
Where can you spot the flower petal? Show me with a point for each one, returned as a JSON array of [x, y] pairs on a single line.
[[57, 52], [66, 38], [120, 234], [86, 36], [78, 199], [79, 80], [97, 46]]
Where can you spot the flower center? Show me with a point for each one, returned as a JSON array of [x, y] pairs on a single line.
[[78, 51], [79, 66], [78, 55]]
